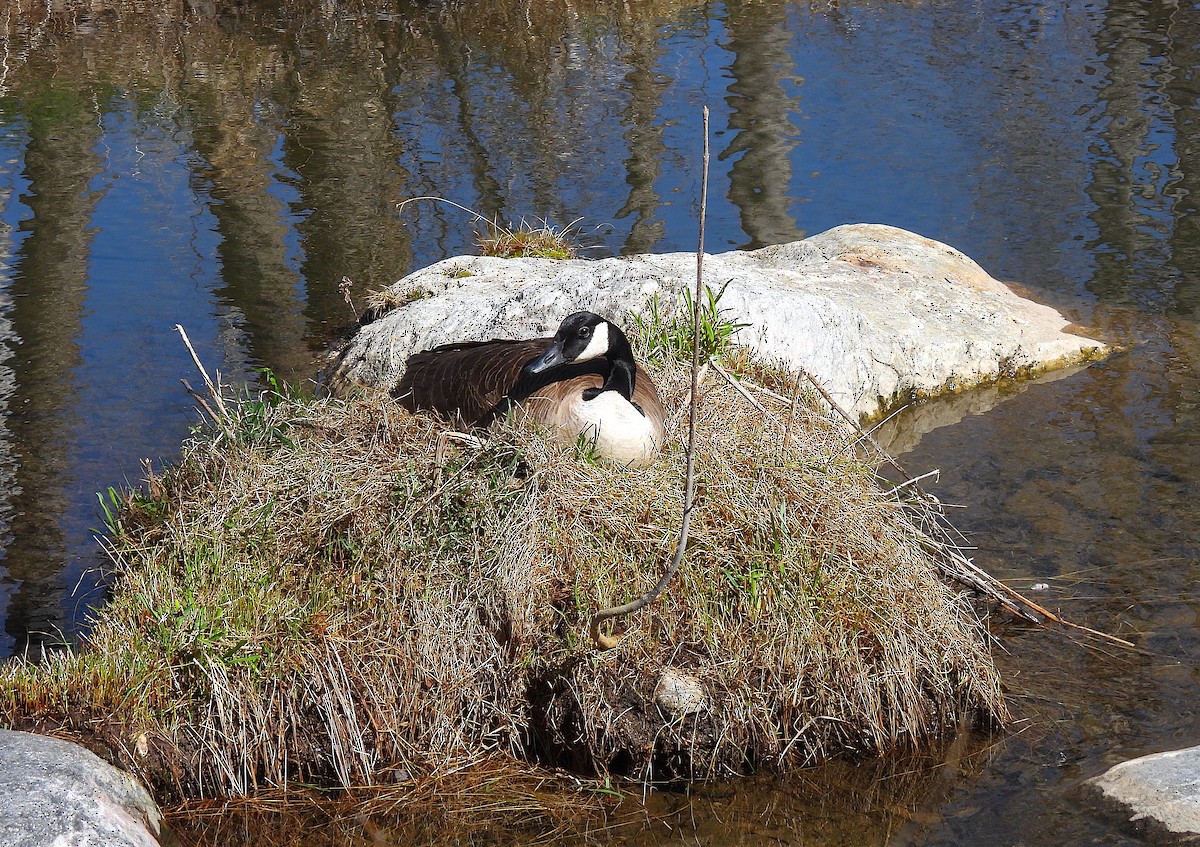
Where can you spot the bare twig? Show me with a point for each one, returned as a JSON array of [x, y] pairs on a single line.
[[212, 389], [687, 400], [223, 418], [199, 398], [737, 386], [605, 642], [935, 472], [774, 395]]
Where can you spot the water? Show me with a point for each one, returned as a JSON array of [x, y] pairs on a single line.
[[223, 166]]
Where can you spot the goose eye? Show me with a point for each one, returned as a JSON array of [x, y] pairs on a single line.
[[585, 332]]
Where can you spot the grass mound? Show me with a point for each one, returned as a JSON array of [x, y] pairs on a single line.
[[326, 592]]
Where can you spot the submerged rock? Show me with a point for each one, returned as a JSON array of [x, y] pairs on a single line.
[[875, 313], [56, 792], [1159, 793]]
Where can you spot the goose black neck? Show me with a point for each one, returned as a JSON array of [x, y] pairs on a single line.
[[622, 372]]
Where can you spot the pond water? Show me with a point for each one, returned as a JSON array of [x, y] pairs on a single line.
[[223, 165]]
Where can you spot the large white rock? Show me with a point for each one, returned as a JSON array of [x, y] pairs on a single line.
[[875, 313], [53, 792], [1161, 791]]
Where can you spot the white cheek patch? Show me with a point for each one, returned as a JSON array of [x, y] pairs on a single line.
[[598, 346]]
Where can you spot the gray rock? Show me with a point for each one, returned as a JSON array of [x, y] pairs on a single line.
[[1160, 793], [57, 794], [873, 312]]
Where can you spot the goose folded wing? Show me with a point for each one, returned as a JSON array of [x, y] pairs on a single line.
[[465, 381]]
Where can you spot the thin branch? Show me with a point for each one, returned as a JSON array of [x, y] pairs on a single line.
[[916, 479], [687, 400], [223, 419], [212, 389], [605, 642], [737, 386], [774, 395], [199, 398]]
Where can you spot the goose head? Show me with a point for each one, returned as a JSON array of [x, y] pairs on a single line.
[[585, 336], [580, 337]]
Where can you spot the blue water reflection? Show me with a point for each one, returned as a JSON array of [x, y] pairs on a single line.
[[96, 359]]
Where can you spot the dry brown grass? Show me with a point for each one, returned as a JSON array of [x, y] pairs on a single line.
[[312, 597]]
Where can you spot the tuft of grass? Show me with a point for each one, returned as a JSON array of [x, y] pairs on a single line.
[[382, 301], [538, 240], [358, 599], [666, 332], [527, 240]]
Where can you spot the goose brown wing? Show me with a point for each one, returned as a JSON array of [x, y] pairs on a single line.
[[465, 381], [646, 395]]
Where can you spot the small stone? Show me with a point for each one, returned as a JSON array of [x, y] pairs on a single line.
[[679, 694]]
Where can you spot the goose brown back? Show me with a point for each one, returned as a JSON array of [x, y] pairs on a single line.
[[465, 382], [470, 382]]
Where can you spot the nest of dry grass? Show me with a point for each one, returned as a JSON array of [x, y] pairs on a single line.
[[325, 592]]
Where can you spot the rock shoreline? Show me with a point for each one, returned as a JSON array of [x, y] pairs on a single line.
[[1157, 795]]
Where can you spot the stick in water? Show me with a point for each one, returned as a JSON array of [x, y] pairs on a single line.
[[606, 642]]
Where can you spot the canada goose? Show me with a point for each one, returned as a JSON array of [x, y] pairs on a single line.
[[582, 381]]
